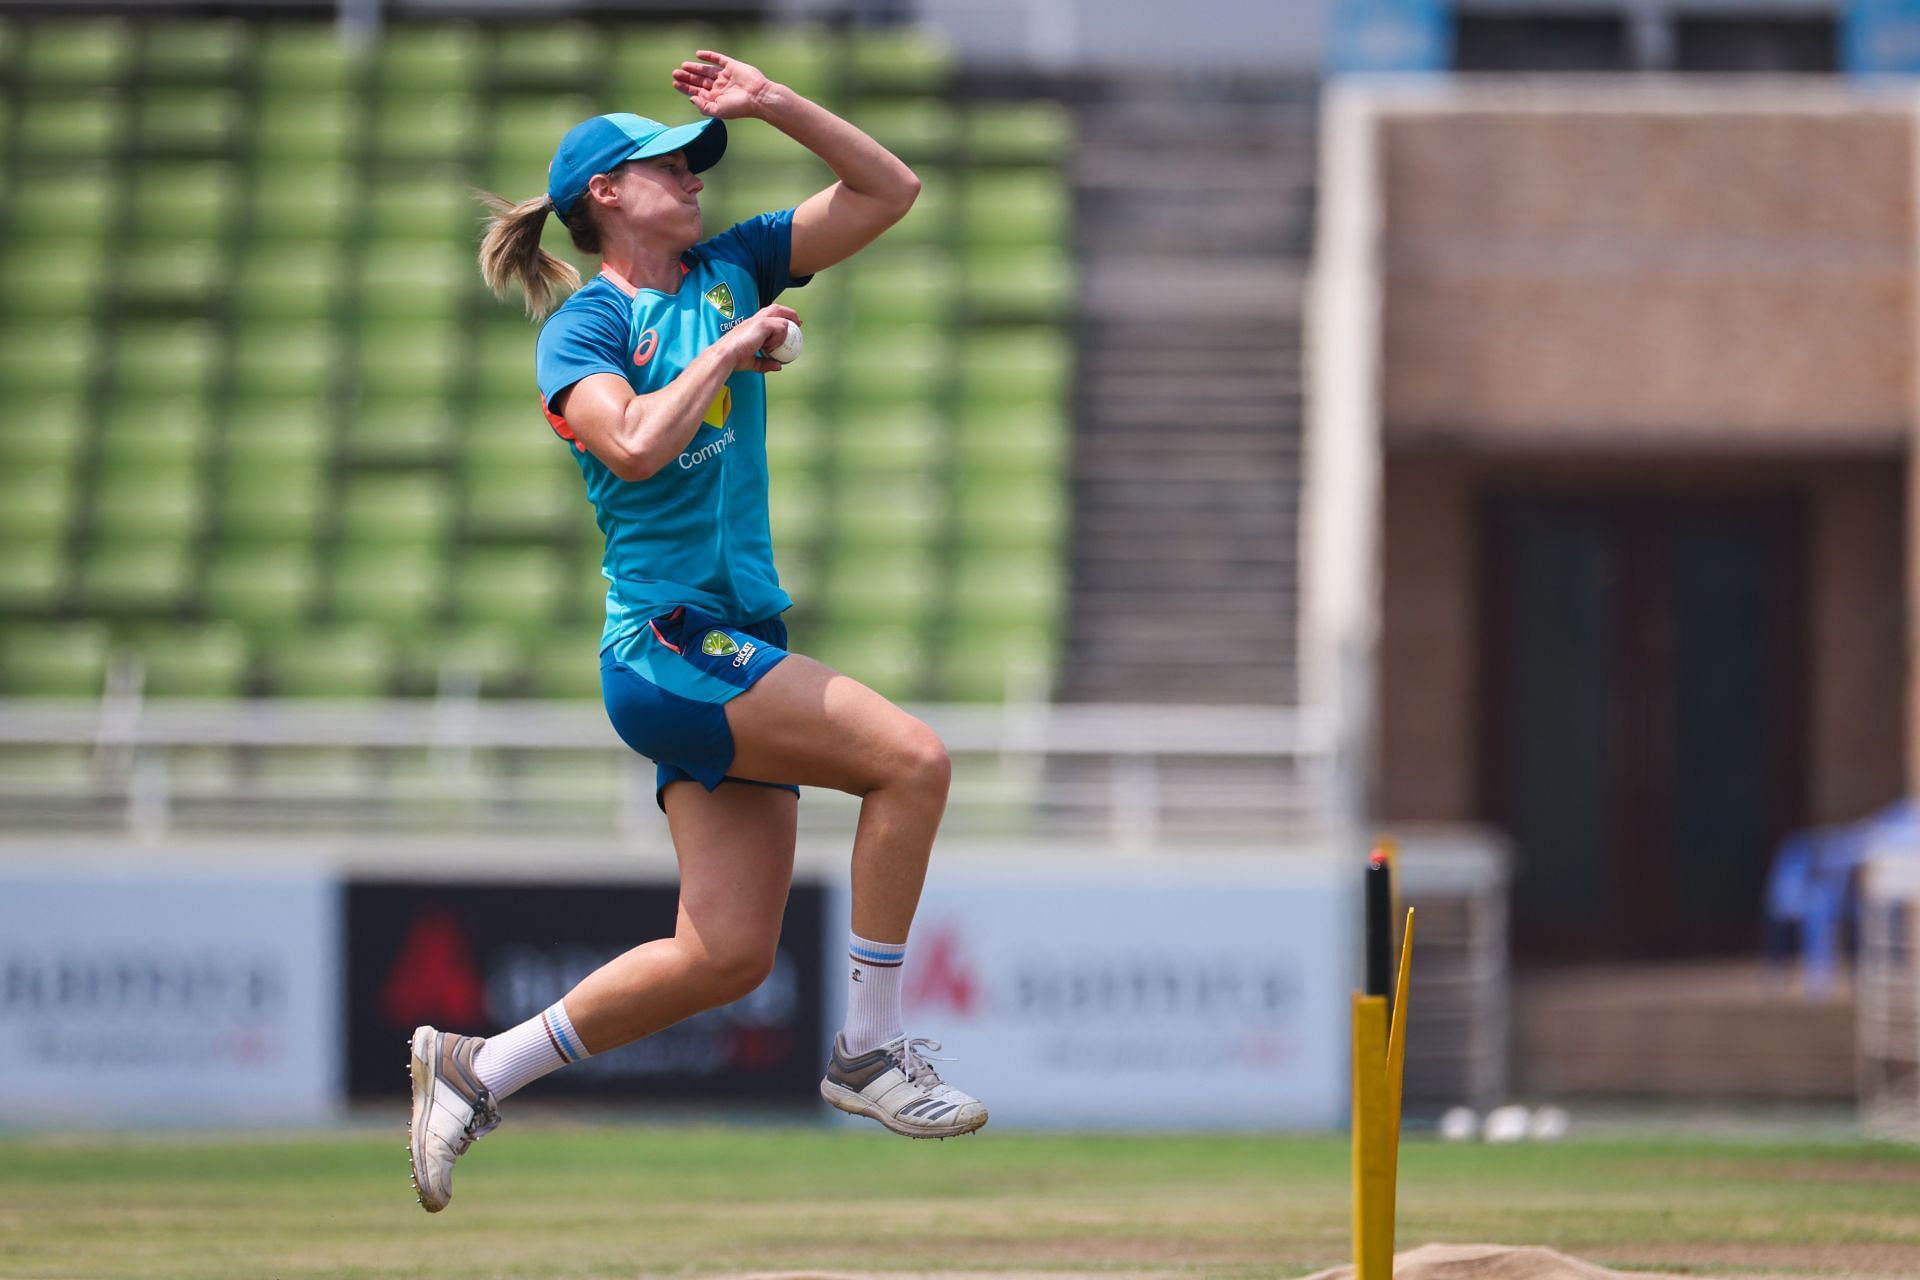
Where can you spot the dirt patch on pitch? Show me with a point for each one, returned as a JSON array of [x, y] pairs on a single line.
[[1488, 1262]]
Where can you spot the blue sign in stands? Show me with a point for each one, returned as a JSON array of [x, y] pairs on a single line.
[[1881, 38], [1399, 36]]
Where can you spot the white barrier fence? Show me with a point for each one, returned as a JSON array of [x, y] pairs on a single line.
[[1126, 774]]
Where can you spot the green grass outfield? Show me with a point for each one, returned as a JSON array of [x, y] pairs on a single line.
[[624, 1200]]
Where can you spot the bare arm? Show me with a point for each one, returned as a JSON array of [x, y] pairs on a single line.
[[636, 435], [875, 187]]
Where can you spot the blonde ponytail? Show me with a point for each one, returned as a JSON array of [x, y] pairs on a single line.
[[510, 254]]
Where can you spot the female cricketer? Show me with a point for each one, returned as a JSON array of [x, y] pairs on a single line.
[[653, 374]]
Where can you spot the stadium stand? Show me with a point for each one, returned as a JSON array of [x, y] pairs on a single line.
[[265, 431], [1189, 413]]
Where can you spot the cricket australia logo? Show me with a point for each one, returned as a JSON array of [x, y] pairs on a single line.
[[721, 296], [717, 644]]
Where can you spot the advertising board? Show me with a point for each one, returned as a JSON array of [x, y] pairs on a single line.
[[167, 998], [1135, 996], [478, 958]]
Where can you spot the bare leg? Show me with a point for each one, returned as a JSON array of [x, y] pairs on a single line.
[[735, 847], [805, 723]]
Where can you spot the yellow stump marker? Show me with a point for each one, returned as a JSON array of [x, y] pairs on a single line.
[[1379, 1065]]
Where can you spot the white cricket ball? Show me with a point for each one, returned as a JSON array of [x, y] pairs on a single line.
[[1549, 1124], [1460, 1124], [790, 348], [1505, 1124]]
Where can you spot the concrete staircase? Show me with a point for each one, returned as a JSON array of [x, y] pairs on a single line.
[[1194, 220]]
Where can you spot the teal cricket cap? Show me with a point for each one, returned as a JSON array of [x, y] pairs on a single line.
[[597, 145]]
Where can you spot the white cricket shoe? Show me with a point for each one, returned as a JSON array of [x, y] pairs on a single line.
[[451, 1108], [897, 1085]]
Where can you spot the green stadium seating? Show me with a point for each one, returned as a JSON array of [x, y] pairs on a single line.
[[41, 357], [344, 661], [1022, 284], [918, 130], [172, 273], [520, 589], [795, 505], [73, 126], [297, 413], [894, 364], [561, 53], [1023, 209], [893, 290], [889, 439], [207, 660], [400, 430], [142, 431], [428, 204], [1029, 365], [157, 358], [184, 201], [541, 502], [55, 660], [408, 284], [890, 659], [1013, 436], [1001, 586], [644, 58], [397, 358], [285, 282], [508, 432], [32, 575], [309, 207], [873, 587], [190, 119], [523, 138], [417, 59], [98, 52], [487, 660], [425, 126], [994, 664], [1011, 133], [51, 278], [398, 587], [397, 509], [796, 434], [67, 203], [1009, 509], [296, 59], [887, 513], [928, 226], [906, 59], [262, 587], [264, 432], [36, 502], [565, 666], [42, 431], [136, 501], [296, 129], [291, 360], [140, 576]]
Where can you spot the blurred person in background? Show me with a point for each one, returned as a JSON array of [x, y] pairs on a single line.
[[653, 372]]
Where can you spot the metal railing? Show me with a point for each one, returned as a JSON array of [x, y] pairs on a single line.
[[1129, 775]]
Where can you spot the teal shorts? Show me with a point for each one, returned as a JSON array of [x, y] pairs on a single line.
[[666, 687]]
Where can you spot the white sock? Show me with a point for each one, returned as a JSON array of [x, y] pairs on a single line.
[[520, 1055], [873, 994]]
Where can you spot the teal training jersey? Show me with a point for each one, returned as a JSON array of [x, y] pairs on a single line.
[[695, 532]]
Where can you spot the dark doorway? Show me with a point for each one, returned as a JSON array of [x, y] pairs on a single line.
[[1644, 680]]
